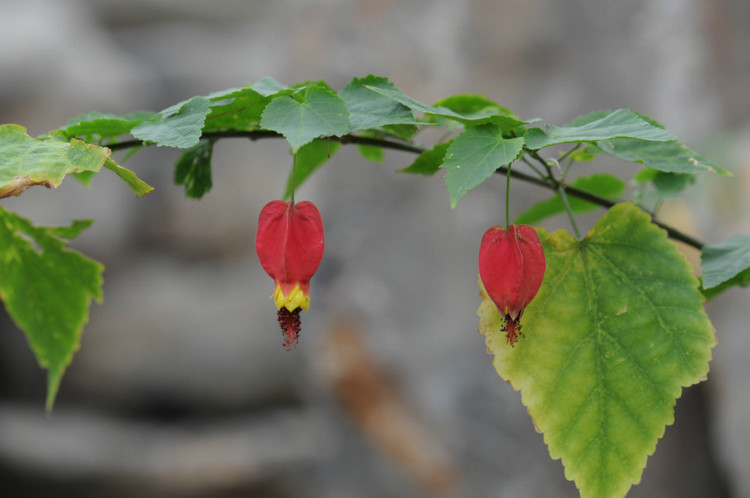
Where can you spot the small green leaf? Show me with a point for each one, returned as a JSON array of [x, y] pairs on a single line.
[[99, 126], [474, 156], [666, 183], [371, 153], [268, 86], [47, 290], [139, 187], [310, 157], [85, 177], [236, 109], [193, 169], [594, 127], [585, 155], [428, 162], [369, 109], [721, 262], [469, 105], [180, 125], [319, 112], [666, 186], [402, 131], [601, 184], [614, 334], [26, 161], [494, 115]]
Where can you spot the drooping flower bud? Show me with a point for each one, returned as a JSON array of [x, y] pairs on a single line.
[[290, 246], [511, 267]]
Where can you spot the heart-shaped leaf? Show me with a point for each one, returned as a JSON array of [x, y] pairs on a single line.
[[614, 334]]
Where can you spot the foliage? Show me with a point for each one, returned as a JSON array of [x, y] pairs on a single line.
[[616, 331]]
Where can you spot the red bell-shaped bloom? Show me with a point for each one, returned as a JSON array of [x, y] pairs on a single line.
[[511, 267], [290, 245]]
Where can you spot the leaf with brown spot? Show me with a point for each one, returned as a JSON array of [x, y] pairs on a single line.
[[27, 161]]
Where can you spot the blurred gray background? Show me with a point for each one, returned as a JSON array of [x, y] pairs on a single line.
[[181, 386]]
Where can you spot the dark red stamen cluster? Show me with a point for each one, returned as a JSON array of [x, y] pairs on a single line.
[[291, 324], [512, 329]]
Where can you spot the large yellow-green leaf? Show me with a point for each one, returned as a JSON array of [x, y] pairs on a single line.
[[614, 334]]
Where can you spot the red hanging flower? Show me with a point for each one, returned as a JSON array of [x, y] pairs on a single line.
[[290, 245], [511, 267]]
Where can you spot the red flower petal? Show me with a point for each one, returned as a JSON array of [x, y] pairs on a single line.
[[511, 267], [290, 243]]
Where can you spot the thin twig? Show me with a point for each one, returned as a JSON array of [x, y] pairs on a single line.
[[564, 197]]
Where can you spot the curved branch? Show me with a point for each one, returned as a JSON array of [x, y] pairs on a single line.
[[550, 184]]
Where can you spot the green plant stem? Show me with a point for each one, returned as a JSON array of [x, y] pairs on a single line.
[[546, 182], [578, 146], [567, 168], [559, 188], [543, 162], [533, 168], [507, 197], [293, 178], [564, 196]]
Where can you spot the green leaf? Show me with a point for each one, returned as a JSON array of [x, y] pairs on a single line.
[[268, 86], [369, 109], [47, 290], [236, 109], [99, 126], [139, 187], [402, 131], [193, 169], [26, 161], [614, 334], [665, 182], [468, 104], [721, 262], [666, 185], [371, 153], [494, 115], [180, 125], [474, 156], [585, 155], [742, 279], [85, 177], [71, 231], [309, 158], [428, 162], [594, 127], [601, 184], [319, 112], [669, 156]]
